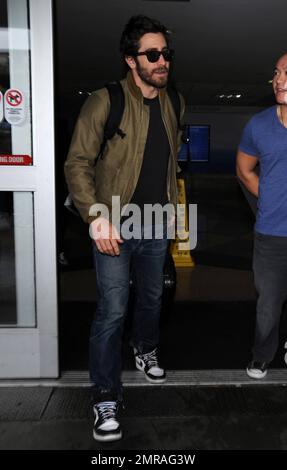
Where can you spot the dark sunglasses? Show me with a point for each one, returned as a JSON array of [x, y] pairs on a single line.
[[153, 56]]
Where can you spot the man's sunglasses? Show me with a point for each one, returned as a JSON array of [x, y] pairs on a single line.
[[153, 56]]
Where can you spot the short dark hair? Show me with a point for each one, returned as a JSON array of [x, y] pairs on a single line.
[[136, 27]]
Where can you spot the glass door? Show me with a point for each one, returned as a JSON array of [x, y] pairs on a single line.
[[28, 294]]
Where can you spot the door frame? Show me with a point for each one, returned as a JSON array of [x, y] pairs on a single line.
[[33, 352]]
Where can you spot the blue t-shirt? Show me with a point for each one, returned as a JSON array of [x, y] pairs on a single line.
[[265, 137]]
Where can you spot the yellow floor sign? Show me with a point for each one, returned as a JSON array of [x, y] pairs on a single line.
[[181, 256]]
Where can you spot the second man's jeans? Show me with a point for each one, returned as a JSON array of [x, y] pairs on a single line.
[[113, 278], [270, 273]]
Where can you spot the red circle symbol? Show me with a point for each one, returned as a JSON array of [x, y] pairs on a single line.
[[14, 98]]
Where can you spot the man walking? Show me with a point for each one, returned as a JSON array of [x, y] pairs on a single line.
[[264, 140], [138, 166]]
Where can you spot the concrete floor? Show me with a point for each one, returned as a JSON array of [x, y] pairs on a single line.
[[155, 418]]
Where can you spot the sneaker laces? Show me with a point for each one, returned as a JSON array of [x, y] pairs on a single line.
[[150, 359], [107, 410]]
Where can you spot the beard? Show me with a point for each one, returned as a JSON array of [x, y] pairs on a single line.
[[152, 78]]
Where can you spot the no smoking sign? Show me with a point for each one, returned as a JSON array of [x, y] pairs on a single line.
[[14, 98], [14, 107]]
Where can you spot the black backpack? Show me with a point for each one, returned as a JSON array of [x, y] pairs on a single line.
[[117, 106]]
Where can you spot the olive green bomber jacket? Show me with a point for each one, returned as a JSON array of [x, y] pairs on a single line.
[[117, 173]]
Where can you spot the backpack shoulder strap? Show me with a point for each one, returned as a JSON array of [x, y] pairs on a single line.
[[174, 98], [117, 106]]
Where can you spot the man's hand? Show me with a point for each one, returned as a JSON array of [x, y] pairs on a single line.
[[105, 236]]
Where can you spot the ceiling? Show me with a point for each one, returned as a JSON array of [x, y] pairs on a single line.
[[223, 47]]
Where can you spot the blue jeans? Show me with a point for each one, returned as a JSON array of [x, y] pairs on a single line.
[[147, 257]]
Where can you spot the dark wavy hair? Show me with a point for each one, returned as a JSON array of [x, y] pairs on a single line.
[[136, 27]]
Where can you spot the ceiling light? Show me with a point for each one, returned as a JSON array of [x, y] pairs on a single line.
[[166, 0], [229, 96]]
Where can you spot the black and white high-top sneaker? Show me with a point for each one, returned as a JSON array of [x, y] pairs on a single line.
[[106, 426], [148, 363]]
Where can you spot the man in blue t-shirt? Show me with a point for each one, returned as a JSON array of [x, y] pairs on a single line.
[[264, 141]]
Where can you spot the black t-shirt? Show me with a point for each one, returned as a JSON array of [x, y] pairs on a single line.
[[151, 187]]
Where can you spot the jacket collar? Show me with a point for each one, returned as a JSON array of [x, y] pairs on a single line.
[[136, 91]]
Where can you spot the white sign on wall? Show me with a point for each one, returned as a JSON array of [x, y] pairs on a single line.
[[1, 107], [14, 106]]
